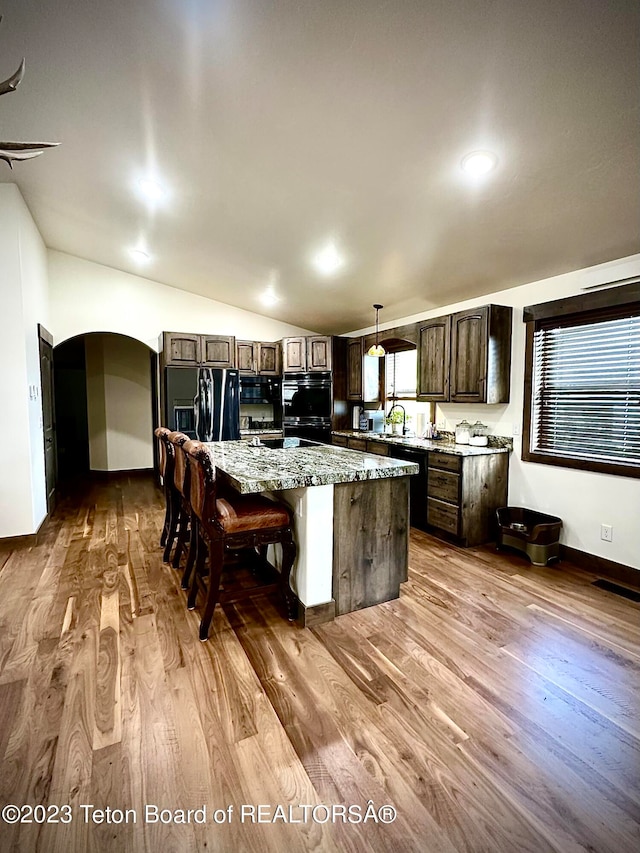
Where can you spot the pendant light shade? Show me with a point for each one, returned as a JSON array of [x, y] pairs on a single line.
[[376, 350]]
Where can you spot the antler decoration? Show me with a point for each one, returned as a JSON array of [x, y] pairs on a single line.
[[14, 151]]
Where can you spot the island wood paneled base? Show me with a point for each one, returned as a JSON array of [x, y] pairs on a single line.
[[370, 542], [494, 705]]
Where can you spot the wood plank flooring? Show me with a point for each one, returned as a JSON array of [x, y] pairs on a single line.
[[494, 705]]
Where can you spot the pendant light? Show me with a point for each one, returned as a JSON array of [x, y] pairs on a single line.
[[376, 350]]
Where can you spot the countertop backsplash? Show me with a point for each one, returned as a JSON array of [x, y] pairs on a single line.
[[497, 418]]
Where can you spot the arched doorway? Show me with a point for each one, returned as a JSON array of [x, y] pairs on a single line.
[[105, 393]]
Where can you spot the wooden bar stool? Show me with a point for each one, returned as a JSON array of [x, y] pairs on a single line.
[[182, 529], [166, 463], [233, 523]]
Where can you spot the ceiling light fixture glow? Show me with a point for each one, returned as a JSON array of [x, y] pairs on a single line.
[[269, 297], [328, 260], [151, 189], [140, 255], [479, 163]]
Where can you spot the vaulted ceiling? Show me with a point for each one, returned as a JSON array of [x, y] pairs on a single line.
[[278, 127]]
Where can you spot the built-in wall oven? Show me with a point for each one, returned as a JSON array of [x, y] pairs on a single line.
[[306, 405]]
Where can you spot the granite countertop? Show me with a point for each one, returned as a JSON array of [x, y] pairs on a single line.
[[259, 469], [262, 431], [442, 445]]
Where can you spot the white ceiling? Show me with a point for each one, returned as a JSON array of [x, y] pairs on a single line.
[[280, 125]]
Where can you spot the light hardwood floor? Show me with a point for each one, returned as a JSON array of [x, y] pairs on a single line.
[[495, 705]]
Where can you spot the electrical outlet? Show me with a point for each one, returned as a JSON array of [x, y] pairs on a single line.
[[606, 532]]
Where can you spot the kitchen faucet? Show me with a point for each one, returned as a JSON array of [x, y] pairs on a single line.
[[404, 416]]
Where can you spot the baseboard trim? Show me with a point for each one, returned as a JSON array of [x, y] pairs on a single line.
[[601, 566], [28, 539], [124, 472], [309, 617]]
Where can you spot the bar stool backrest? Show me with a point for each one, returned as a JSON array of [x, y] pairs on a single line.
[[180, 472], [202, 481], [166, 453]]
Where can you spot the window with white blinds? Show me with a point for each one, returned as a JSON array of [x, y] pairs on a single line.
[[400, 375], [585, 402]]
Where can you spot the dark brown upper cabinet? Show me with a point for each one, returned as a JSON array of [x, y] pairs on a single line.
[[319, 353], [269, 358], [294, 355], [481, 355], [306, 354], [258, 358], [218, 350], [245, 356], [180, 349], [434, 350], [466, 357], [355, 390]]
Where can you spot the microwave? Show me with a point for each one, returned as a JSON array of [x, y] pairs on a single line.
[[260, 389]]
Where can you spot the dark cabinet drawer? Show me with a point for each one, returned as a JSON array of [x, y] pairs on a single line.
[[357, 444], [339, 440], [378, 447], [443, 515], [446, 461], [444, 485]]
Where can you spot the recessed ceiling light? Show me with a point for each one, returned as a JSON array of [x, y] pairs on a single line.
[[328, 260], [151, 189], [479, 162], [269, 297], [140, 255]]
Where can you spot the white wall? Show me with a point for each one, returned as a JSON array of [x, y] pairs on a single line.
[[583, 500], [88, 297], [119, 403], [24, 304]]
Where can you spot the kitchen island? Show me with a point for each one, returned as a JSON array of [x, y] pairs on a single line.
[[351, 518]]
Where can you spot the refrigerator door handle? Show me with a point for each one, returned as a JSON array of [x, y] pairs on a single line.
[[196, 412]]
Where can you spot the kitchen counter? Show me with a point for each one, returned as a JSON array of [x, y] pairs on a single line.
[[258, 469], [426, 444], [350, 519]]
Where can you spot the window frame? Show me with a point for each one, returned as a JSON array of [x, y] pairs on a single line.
[[591, 307]]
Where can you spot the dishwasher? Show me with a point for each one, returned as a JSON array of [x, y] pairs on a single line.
[[417, 483]]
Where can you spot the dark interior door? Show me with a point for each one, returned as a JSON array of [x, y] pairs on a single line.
[[48, 422]]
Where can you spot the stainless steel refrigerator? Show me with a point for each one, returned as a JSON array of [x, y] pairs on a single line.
[[203, 402]]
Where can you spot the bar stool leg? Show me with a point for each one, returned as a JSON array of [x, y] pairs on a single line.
[[288, 558], [182, 533], [167, 518], [173, 527], [192, 556], [216, 558]]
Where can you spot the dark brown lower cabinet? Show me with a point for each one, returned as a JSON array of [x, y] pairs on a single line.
[[463, 493], [453, 495]]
